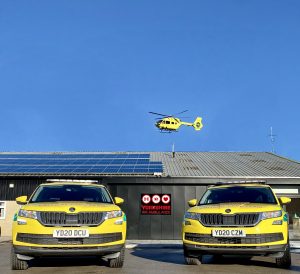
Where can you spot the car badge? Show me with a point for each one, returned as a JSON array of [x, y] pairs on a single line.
[[72, 209], [228, 210]]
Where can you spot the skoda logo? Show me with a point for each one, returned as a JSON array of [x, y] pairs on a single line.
[[228, 210], [72, 209]]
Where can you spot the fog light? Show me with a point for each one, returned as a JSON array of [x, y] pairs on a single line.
[[119, 222], [21, 222], [277, 222]]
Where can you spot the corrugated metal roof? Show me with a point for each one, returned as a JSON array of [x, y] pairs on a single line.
[[226, 164], [212, 164]]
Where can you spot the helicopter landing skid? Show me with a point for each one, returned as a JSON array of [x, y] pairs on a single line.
[[167, 131]]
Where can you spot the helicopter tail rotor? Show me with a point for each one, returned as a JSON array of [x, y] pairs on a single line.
[[198, 123]]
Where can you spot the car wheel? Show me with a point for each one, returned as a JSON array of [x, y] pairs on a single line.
[[119, 261], [217, 257], [193, 260], [285, 261], [17, 264]]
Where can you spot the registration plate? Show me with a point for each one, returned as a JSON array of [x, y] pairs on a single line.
[[70, 233], [228, 233]]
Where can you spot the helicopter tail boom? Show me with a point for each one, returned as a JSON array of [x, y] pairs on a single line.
[[197, 125]]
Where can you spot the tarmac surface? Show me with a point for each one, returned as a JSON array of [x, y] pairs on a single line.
[[148, 258]]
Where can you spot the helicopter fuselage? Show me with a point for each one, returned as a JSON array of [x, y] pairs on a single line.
[[168, 124]]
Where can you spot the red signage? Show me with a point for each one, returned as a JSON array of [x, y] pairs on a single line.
[[156, 204]]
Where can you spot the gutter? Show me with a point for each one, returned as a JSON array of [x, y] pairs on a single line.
[[230, 177]]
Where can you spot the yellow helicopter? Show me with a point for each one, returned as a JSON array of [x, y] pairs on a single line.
[[169, 123]]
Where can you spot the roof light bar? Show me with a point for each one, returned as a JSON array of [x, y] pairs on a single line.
[[72, 180], [241, 182], [157, 174]]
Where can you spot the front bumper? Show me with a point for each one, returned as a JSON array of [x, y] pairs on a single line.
[[264, 239], [191, 250], [48, 239], [34, 251], [34, 234]]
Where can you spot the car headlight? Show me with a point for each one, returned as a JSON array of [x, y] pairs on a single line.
[[113, 214], [271, 214], [192, 215], [27, 214]]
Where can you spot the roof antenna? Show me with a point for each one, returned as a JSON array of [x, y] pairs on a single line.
[[173, 150], [272, 138]]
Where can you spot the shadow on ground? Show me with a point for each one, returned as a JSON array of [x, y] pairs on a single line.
[[167, 255], [175, 256], [67, 261]]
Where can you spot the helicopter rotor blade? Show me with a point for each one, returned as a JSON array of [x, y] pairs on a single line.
[[164, 115], [179, 112], [167, 115]]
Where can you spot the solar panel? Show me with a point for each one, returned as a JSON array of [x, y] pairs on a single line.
[[74, 155], [97, 169], [93, 163]]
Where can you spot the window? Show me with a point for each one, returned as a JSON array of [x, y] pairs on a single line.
[[167, 122], [80, 193], [238, 194], [2, 210]]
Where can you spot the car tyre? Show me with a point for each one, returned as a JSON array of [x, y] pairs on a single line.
[[193, 260], [285, 261], [17, 264], [217, 257], [119, 261]]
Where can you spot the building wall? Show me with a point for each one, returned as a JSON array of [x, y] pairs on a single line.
[[167, 227], [11, 208], [11, 188]]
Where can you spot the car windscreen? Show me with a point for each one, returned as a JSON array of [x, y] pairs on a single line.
[[238, 194], [79, 193]]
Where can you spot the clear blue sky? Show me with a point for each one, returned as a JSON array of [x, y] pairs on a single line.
[[82, 75]]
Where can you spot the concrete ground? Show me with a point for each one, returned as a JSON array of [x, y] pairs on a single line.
[[148, 259]]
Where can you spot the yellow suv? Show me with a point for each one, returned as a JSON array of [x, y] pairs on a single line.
[[243, 218], [68, 219]]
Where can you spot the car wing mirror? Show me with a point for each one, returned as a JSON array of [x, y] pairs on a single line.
[[192, 202], [118, 201], [22, 200], [285, 200]]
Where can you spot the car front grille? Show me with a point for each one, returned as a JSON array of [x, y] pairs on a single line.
[[48, 239], [65, 219], [249, 239], [241, 219]]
